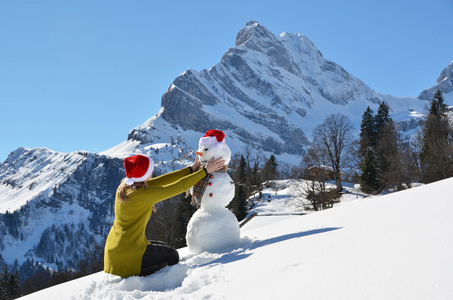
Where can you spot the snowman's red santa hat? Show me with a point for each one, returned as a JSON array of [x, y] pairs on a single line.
[[212, 137], [138, 168]]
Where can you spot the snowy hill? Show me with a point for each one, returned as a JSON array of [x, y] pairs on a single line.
[[396, 246]]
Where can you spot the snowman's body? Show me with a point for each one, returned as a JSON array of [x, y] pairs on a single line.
[[213, 227]]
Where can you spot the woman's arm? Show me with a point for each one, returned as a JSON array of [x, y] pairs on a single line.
[[170, 188], [168, 178], [161, 192], [211, 166]]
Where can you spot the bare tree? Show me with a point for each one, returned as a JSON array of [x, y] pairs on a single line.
[[332, 139], [412, 154], [354, 162], [314, 186]]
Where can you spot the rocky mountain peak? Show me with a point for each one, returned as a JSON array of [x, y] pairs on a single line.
[[268, 92], [255, 37], [444, 84], [446, 74], [253, 33]]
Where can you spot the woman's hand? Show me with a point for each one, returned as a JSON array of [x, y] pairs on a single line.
[[214, 164], [196, 165]]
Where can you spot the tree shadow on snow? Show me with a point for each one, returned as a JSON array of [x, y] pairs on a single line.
[[247, 245], [282, 238]]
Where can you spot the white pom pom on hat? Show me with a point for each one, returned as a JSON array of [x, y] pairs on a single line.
[[212, 137], [138, 168], [129, 181]]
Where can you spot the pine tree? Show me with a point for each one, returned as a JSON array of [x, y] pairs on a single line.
[[381, 118], [9, 284], [436, 154], [270, 169], [369, 177], [367, 131], [380, 152], [383, 147], [392, 171], [239, 203]]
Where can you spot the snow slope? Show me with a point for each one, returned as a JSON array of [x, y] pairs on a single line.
[[396, 246]]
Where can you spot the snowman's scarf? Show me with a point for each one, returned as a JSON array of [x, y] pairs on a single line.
[[200, 187]]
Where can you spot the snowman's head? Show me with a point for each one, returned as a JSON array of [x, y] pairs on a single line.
[[213, 145]]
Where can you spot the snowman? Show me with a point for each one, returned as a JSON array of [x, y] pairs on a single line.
[[213, 227]]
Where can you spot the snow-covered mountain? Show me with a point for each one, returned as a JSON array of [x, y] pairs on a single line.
[[396, 246], [268, 92], [444, 83], [55, 206]]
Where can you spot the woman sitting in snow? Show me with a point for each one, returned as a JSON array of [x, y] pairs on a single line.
[[127, 250]]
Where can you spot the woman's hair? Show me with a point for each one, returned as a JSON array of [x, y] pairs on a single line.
[[124, 195]]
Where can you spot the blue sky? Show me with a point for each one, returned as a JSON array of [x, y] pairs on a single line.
[[79, 75]]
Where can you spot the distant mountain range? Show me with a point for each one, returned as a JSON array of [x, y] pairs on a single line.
[[267, 94]]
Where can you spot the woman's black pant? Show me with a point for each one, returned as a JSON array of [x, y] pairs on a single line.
[[158, 255]]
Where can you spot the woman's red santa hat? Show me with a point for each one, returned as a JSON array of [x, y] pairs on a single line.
[[138, 168], [212, 137]]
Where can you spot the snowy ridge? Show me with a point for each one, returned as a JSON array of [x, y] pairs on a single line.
[[396, 246], [55, 205], [24, 173]]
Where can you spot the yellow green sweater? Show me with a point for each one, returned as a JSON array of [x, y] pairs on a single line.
[[126, 241]]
